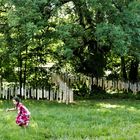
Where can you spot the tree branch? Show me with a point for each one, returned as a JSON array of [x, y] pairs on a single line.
[[117, 6]]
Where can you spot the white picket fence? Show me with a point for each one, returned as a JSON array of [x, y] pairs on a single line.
[[105, 84], [117, 85], [60, 92], [64, 92], [7, 92]]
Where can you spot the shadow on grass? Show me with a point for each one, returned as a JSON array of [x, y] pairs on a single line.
[[110, 103]]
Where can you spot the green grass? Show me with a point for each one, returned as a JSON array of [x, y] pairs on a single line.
[[84, 120]]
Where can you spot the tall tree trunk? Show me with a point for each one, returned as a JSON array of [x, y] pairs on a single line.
[[133, 73], [1, 84], [123, 69], [92, 83], [25, 65], [20, 73]]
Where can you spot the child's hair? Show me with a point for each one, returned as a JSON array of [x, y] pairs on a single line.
[[16, 99]]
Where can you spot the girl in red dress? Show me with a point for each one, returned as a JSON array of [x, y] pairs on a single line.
[[23, 115]]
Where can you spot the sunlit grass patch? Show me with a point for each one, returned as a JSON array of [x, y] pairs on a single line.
[[107, 105]]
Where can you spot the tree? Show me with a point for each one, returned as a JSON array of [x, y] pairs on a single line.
[[121, 30], [85, 34]]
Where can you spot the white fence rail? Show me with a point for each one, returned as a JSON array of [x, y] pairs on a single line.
[[103, 82], [60, 92]]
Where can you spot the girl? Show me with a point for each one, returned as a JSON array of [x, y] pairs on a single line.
[[23, 115]]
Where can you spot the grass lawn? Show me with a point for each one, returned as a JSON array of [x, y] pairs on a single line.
[[84, 120]]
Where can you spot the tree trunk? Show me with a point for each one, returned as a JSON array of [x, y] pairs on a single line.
[[133, 73], [123, 69], [92, 83], [25, 65], [20, 73]]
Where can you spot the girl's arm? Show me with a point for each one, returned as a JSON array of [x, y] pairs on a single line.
[[10, 109]]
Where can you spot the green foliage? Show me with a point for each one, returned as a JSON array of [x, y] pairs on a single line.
[[80, 90], [70, 34], [26, 27], [81, 33], [114, 36]]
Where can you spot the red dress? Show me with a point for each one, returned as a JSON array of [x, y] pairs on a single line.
[[23, 116]]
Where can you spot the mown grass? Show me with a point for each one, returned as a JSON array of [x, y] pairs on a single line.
[[84, 120]]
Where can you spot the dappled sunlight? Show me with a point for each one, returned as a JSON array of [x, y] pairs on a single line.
[[34, 125], [8, 117], [132, 109], [1, 102], [107, 105], [118, 106], [1, 110]]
